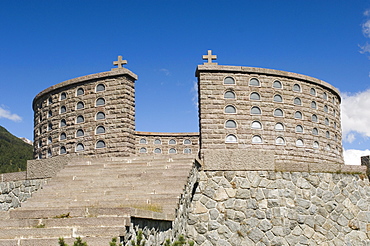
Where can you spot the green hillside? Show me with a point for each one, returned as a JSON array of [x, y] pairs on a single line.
[[14, 153]]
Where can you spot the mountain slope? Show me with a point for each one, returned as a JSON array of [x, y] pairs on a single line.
[[14, 152]]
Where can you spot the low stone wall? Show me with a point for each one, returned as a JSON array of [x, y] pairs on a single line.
[[15, 189], [280, 208]]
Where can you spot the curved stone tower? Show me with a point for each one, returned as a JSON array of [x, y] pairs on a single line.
[[256, 117], [89, 115]]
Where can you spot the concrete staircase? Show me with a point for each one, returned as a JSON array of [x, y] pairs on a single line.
[[95, 199]]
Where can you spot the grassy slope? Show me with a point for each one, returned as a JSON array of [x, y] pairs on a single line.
[[14, 153]]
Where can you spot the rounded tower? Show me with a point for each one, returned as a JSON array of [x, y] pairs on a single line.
[[89, 115]]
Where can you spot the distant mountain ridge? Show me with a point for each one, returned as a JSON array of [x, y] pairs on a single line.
[[14, 152]]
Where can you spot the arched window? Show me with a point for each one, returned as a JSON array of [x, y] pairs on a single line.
[[298, 115], [100, 116], [80, 133], [39, 156], [299, 143], [326, 109], [313, 105], [326, 121], [297, 101], [279, 141], [50, 113], [49, 153], [100, 130], [231, 139], [62, 150], [279, 127], [142, 141], [334, 112], [142, 150], [80, 147], [80, 119], [278, 112], [254, 82], [229, 95], [315, 131], [50, 140], [50, 101], [315, 145], [255, 110], [327, 134], [229, 109], [172, 151], [278, 98], [277, 84], [100, 102], [80, 92], [50, 127], [313, 92], [325, 96], [328, 148], [335, 137], [187, 151], [229, 81], [314, 118], [256, 139], [63, 136], [63, 109], [299, 128], [230, 124], [157, 141], [100, 144], [63, 123], [39, 144], [255, 96], [63, 96], [100, 87], [187, 141], [256, 125], [157, 150], [335, 125], [297, 88], [172, 141], [80, 105]]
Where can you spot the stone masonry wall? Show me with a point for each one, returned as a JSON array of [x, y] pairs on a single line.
[[149, 143], [280, 208], [90, 115], [15, 189], [295, 117]]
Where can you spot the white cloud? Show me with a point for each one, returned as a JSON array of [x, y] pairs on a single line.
[[353, 156], [7, 115], [365, 48], [366, 29], [165, 71], [355, 115]]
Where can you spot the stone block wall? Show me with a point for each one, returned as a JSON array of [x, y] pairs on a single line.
[[89, 115], [280, 208], [295, 116], [160, 143], [15, 189]]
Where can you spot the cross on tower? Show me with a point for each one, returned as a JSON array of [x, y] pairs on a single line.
[[210, 57], [120, 62]]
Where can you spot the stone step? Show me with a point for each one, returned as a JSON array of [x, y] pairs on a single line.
[[91, 241], [42, 212], [24, 233], [65, 222]]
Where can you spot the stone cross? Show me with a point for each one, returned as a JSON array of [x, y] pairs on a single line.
[[210, 57], [120, 62]]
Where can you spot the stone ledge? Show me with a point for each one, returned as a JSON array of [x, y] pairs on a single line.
[[5, 177]]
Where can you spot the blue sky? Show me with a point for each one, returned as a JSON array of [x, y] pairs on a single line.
[[46, 42]]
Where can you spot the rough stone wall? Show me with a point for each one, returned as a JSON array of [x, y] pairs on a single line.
[[180, 142], [212, 115], [119, 121], [280, 208], [15, 189]]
